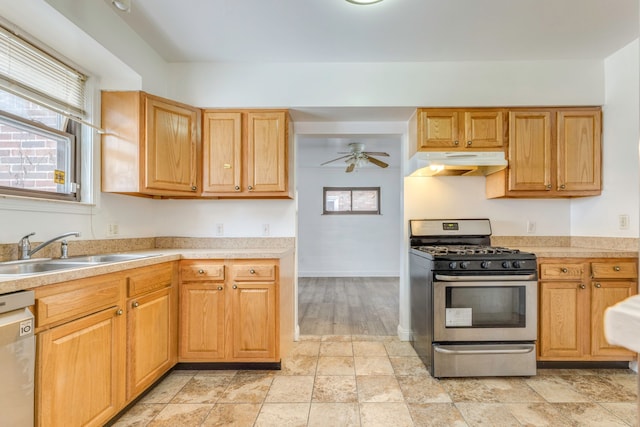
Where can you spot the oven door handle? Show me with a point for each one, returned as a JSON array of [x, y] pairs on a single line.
[[487, 351], [515, 277]]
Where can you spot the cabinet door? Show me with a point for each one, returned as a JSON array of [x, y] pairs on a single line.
[[171, 147], [253, 321], [81, 368], [604, 294], [529, 151], [222, 152], [579, 151], [202, 321], [149, 340], [438, 129], [564, 317], [267, 135], [483, 129]]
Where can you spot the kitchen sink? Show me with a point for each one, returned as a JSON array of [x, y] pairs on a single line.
[[47, 265]]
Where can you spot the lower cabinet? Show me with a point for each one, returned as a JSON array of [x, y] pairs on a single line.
[[574, 294], [101, 341], [229, 311]]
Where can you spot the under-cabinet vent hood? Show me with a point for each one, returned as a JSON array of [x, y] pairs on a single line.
[[456, 163]]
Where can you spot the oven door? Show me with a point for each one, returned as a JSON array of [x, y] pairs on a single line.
[[496, 310]]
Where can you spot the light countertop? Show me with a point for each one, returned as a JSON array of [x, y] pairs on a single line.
[[576, 252]]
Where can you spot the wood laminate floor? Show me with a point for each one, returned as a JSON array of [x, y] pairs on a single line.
[[348, 305]]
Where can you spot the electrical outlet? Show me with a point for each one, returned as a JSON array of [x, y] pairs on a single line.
[[113, 230], [531, 227], [219, 229], [265, 229], [623, 222]]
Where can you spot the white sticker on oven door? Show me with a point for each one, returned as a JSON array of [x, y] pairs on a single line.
[[458, 317]]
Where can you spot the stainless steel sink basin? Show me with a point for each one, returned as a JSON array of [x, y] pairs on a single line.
[[47, 265]]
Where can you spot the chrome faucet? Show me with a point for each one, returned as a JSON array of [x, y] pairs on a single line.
[[25, 244]]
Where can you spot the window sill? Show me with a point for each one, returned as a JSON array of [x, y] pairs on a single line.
[[18, 203]]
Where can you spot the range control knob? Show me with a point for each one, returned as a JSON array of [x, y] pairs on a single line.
[[453, 265], [485, 264], [506, 264], [464, 265], [516, 264]]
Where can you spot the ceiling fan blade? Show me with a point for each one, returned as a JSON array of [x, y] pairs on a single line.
[[351, 167], [339, 158], [377, 162], [376, 153]]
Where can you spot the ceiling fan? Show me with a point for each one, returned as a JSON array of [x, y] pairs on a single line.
[[358, 157]]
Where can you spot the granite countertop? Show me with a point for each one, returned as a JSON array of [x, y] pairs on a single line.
[[575, 252], [11, 283]]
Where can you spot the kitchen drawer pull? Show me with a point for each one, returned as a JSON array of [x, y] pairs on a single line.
[[194, 188], [562, 187], [468, 143], [564, 269], [220, 288], [616, 268], [119, 312], [582, 286], [548, 187], [486, 351], [252, 271], [250, 188], [597, 285], [235, 286], [135, 304], [456, 142], [237, 188], [201, 271]]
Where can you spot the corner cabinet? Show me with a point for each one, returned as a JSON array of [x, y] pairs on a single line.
[[447, 129], [246, 154], [150, 147], [551, 153], [236, 310], [573, 295]]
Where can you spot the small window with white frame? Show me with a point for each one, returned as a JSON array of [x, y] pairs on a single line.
[[41, 114], [351, 200]]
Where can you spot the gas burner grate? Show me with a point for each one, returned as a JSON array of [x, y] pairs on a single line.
[[466, 250]]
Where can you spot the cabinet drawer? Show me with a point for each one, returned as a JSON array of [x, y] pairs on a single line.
[[561, 271], [191, 271], [147, 279], [614, 270], [253, 272], [76, 299]]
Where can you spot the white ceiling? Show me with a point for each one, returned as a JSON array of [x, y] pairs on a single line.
[[393, 30]]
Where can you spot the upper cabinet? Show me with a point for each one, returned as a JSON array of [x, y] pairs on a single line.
[[552, 153], [150, 147], [460, 129], [246, 154]]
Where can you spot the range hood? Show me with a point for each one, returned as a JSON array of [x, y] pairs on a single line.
[[456, 163]]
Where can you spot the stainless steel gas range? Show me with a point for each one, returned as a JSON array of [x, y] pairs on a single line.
[[473, 306]]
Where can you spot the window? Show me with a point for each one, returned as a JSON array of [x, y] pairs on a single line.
[[351, 200], [41, 111]]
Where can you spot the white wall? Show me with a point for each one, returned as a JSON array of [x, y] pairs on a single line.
[[620, 189]]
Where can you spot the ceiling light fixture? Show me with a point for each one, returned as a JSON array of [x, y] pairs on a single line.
[[363, 2], [122, 5]]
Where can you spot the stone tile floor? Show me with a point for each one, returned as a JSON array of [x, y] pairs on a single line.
[[379, 381]]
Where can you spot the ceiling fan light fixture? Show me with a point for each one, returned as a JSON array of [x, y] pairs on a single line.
[[364, 2]]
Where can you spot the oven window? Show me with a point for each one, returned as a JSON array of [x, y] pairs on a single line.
[[485, 307]]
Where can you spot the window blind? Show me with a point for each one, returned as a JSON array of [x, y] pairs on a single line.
[[29, 72]]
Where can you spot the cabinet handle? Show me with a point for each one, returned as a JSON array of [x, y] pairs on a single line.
[[235, 286], [250, 188], [616, 268], [564, 269], [119, 312], [220, 288], [237, 188], [597, 285], [456, 142], [562, 186], [201, 271], [582, 286], [135, 304], [194, 188], [468, 143], [548, 187], [252, 271]]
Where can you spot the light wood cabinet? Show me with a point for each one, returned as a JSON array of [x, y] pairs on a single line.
[[551, 153], [574, 293], [152, 326], [150, 147], [459, 129], [246, 153], [242, 315], [80, 365]]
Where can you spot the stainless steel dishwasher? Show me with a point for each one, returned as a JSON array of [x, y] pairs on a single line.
[[17, 359]]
